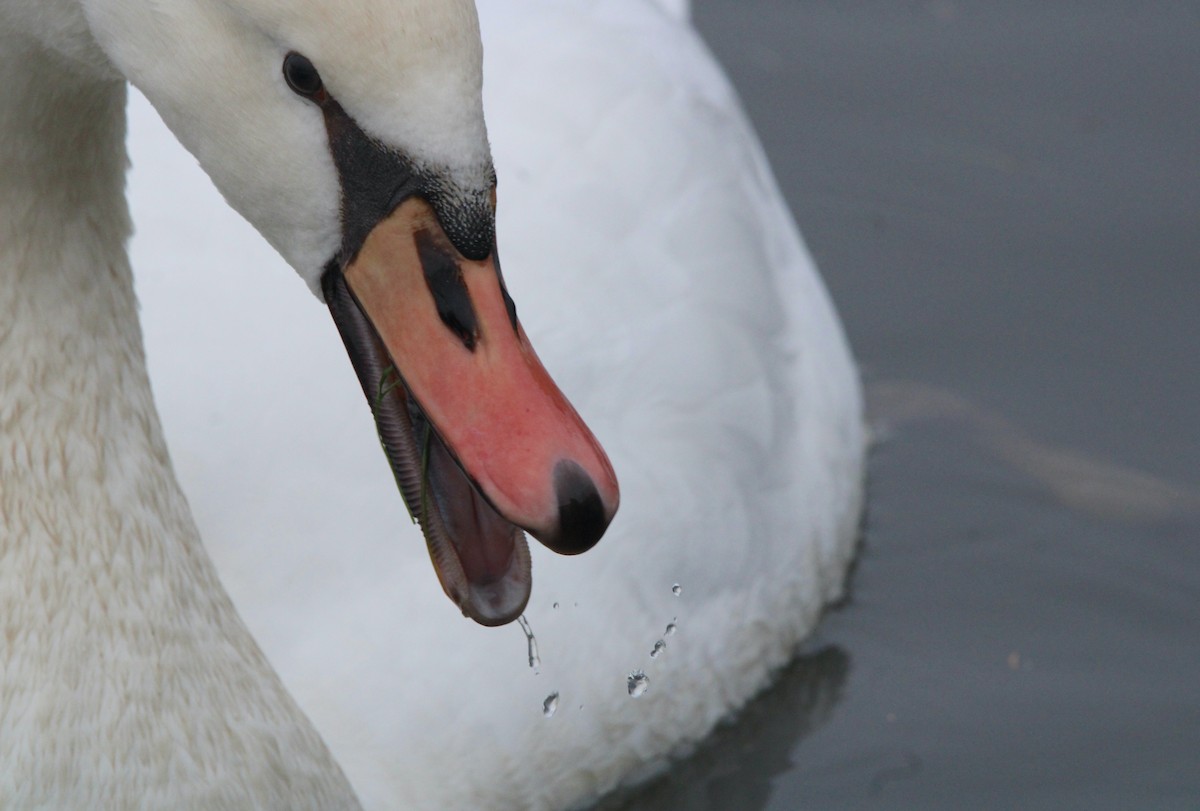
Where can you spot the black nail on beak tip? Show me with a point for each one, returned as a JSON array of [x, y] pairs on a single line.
[[581, 516]]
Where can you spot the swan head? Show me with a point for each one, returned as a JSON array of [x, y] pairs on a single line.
[[351, 135]]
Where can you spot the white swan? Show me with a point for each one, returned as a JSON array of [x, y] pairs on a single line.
[[655, 268]]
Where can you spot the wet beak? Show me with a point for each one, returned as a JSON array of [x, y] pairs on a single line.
[[482, 442]]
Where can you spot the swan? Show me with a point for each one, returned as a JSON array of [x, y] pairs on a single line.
[[655, 268]]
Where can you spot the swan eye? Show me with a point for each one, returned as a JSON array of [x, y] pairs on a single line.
[[301, 75]]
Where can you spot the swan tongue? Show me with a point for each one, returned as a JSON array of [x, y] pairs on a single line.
[[496, 443]]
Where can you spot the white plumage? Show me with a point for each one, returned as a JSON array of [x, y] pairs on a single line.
[[659, 274]]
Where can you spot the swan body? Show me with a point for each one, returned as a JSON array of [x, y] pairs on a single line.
[[657, 270]]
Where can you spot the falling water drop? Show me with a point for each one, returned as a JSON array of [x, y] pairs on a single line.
[[671, 628], [677, 589], [659, 647], [535, 661], [638, 683], [550, 705]]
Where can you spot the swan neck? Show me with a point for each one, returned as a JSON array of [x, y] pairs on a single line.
[[63, 147], [126, 676], [73, 381]]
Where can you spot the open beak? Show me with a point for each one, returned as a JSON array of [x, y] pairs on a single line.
[[482, 443]]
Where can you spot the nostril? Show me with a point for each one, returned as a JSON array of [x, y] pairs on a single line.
[[581, 515]]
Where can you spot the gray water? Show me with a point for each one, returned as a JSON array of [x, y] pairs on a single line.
[[1005, 201]]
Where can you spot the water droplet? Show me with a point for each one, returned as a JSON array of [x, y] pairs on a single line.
[[638, 683], [671, 628], [677, 589], [659, 647], [550, 705], [556, 605], [535, 661]]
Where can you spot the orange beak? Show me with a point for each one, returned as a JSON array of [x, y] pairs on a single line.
[[482, 442]]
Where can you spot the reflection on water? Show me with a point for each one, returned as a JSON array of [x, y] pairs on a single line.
[[733, 769], [1081, 482]]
